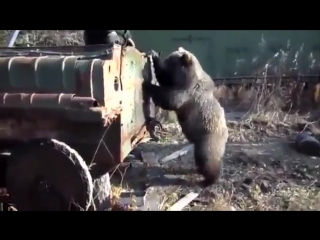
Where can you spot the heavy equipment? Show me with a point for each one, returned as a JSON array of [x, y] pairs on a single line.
[[68, 115]]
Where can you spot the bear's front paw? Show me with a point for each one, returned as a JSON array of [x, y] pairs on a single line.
[[153, 127], [154, 54], [130, 42]]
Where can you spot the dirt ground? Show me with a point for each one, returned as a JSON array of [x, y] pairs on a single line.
[[261, 171]]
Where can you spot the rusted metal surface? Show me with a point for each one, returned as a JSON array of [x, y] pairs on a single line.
[[38, 100], [53, 75], [65, 74], [109, 117], [88, 97], [92, 104], [132, 118], [90, 50]]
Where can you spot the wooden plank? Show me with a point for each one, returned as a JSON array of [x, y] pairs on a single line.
[[178, 206], [176, 154]]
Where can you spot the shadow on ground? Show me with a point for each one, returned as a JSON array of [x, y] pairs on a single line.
[[137, 172], [267, 175]]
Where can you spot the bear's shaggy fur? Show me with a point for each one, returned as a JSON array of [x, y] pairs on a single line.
[[307, 143], [187, 89]]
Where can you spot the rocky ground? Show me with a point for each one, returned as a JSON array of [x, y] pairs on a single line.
[[262, 171]]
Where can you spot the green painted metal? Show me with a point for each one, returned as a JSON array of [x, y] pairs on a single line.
[[227, 53], [35, 74], [54, 74]]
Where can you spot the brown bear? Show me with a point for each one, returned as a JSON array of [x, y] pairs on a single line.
[[187, 89]]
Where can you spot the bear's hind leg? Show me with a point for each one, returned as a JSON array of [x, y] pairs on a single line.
[[208, 161]]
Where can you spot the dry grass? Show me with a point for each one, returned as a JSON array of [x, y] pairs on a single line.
[[287, 199], [261, 122], [45, 37]]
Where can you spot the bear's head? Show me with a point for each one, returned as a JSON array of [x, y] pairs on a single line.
[[183, 67]]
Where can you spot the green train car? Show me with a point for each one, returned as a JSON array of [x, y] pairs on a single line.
[[227, 53]]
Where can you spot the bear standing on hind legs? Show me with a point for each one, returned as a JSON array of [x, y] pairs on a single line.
[[187, 89]]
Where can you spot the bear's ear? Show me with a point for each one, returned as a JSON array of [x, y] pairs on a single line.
[[186, 59]]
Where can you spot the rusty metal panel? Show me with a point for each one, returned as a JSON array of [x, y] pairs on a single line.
[[58, 50], [59, 74], [69, 76], [49, 74], [131, 79], [51, 101], [5, 84], [112, 88], [22, 73], [69, 70], [83, 71], [80, 98], [47, 69], [91, 79]]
